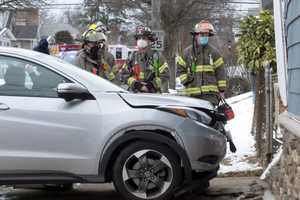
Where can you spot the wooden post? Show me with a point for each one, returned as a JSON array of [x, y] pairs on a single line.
[[260, 113], [269, 113]]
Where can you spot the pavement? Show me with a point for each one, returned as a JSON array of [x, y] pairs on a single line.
[[250, 188]]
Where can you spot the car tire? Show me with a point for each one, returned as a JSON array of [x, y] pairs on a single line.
[[145, 170]]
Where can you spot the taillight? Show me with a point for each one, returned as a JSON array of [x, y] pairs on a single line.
[[226, 110], [229, 113]]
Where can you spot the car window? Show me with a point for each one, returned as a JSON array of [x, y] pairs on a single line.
[[119, 53], [70, 57], [22, 78], [88, 79]]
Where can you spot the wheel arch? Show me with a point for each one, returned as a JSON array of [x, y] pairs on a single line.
[[131, 136]]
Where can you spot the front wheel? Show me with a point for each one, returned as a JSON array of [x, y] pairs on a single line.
[[146, 170]]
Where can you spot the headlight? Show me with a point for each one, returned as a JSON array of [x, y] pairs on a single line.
[[187, 112]]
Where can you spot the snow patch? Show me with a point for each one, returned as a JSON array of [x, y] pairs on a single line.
[[268, 195], [274, 162], [239, 98], [245, 157]]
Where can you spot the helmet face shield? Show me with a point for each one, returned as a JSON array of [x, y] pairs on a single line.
[[91, 44], [141, 37], [204, 34]]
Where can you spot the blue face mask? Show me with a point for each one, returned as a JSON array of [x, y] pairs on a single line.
[[202, 40]]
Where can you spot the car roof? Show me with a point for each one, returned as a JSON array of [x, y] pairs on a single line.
[[19, 51]]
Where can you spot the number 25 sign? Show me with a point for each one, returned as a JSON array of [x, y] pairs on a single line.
[[159, 42]]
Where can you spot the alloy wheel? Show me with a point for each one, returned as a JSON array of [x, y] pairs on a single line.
[[147, 174]]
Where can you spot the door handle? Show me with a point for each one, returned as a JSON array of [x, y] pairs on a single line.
[[3, 107]]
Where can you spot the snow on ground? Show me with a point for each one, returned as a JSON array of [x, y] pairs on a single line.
[[274, 162], [244, 159], [268, 195]]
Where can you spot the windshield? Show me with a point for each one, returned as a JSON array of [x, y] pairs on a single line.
[[70, 57]]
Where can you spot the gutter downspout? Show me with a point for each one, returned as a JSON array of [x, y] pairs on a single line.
[[281, 53]]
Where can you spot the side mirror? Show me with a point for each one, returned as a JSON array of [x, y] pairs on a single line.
[[71, 91]]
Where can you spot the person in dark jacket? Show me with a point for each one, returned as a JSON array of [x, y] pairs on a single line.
[[201, 68], [147, 68], [42, 47]]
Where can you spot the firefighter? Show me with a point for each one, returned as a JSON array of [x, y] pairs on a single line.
[[201, 68], [114, 74], [94, 56], [99, 27], [146, 66]]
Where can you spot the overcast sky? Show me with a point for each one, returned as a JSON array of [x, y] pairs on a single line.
[[241, 5], [67, 1], [58, 13]]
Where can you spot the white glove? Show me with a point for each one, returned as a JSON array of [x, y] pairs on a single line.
[[31, 69]]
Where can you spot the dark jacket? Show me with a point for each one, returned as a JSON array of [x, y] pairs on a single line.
[[202, 71], [101, 66], [150, 67], [42, 47]]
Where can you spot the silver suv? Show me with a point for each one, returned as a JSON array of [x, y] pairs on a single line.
[[62, 125]]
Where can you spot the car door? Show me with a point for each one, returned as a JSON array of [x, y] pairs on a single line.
[[38, 130]]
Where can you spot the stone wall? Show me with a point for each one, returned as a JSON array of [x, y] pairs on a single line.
[[284, 178]]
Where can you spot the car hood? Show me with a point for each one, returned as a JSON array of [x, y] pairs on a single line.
[[144, 100]]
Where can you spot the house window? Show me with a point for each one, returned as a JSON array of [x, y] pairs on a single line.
[[129, 53], [292, 22], [118, 53], [21, 22]]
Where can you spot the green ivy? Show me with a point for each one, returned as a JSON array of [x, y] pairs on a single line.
[[256, 47]]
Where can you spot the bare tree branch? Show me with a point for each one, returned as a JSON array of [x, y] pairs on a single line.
[[13, 4]]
